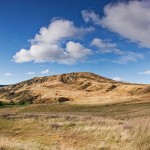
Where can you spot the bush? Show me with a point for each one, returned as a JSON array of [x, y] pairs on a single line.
[[11, 102], [21, 102], [1, 103]]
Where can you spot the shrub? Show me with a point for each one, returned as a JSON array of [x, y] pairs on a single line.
[[1, 103], [21, 102], [11, 102]]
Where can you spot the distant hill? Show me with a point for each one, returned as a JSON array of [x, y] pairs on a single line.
[[78, 87], [2, 85]]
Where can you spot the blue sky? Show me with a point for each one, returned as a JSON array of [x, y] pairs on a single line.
[[44, 37]]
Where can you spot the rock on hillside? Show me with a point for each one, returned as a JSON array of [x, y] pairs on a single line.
[[80, 87]]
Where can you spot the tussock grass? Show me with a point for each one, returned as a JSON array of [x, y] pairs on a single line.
[[73, 132], [76, 127]]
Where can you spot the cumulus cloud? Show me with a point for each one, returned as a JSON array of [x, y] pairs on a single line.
[[47, 44], [58, 30], [46, 71], [147, 72], [117, 79], [76, 51], [30, 73], [129, 19], [106, 47]]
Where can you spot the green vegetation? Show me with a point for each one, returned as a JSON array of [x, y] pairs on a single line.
[[21, 102], [12, 104], [1, 103]]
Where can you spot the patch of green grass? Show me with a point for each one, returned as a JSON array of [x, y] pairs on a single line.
[[13, 106]]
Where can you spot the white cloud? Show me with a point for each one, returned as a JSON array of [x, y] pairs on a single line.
[[124, 56], [91, 16], [30, 73], [58, 30], [46, 46], [145, 72], [129, 19], [76, 51], [117, 79], [129, 57], [106, 47], [8, 74], [46, 71], [22, 56], [102, 44]]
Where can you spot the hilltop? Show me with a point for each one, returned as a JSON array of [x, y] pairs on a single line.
[[78, 87]]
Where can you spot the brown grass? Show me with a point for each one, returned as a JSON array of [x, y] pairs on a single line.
[[73, 131]]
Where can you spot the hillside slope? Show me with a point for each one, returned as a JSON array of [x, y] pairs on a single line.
[[80, 87]]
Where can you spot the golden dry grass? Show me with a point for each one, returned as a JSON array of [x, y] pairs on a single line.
[[79, 88], [73, 131]]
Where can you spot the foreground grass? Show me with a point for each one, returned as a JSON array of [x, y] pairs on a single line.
[[73, 132], [75, 127]]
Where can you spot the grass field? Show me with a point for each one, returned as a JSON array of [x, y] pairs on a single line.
[[75, 127]]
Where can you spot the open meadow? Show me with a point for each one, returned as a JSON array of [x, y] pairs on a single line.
[[75, 127]]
